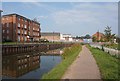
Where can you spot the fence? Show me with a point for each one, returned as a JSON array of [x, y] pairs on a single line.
[[108, 50]]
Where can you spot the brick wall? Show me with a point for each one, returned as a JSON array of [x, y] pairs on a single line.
[[18, 28]]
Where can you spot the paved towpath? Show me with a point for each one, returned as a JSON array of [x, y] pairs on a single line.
[[84, 67]]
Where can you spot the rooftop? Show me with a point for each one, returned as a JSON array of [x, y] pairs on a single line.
[[21, 16], [50, 33]]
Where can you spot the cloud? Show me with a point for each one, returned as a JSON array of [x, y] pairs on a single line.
[[43, 17], [74, 18], [86, 15]]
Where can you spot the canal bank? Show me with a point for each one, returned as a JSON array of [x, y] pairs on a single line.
[[69, 55], [35, 65], [25, 48]]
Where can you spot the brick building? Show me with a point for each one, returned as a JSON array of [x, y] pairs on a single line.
[[18, 28], [50, 36], [98, 36]]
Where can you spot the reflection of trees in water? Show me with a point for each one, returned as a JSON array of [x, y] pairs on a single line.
[[18, 65]]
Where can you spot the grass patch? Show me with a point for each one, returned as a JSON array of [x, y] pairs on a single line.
[[69, 56], [113, 46], [107, 64]]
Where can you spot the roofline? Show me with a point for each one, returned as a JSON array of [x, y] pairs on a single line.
[[21, 16], [51, 32]]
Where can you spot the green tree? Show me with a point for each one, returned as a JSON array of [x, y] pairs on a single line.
[[108, 35], [94, 39], [87, 36]]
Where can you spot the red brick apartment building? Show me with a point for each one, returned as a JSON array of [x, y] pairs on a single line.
[[17, 28]]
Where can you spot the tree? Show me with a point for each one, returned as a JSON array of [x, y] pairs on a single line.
[[87, 36], [94, 39], [108, 35]]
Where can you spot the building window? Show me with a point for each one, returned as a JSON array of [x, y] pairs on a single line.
[[29, 27], [18, 31], [38, 29], [18, 38], [25, 20], [25, 32], [18, 24], [25, 38], [25, 65], [7, 24], [19, 18], [7, 31], [29, 33], [19, 61], [25, 26]]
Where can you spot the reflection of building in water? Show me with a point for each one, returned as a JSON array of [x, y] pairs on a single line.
[[17, 65]]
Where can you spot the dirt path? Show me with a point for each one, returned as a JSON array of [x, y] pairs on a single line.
[[84, 67]]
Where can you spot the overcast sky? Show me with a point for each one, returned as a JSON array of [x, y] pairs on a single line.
[[76, 18]]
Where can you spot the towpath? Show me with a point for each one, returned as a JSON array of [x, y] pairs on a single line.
[[84, 67]]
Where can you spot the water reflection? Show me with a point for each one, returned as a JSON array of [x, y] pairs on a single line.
[[17, 65], [29, 65]]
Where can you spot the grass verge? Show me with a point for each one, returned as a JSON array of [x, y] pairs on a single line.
[[107, 64], [69, 56], [113, 46]]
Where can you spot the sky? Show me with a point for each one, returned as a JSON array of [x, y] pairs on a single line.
[[75, 18]]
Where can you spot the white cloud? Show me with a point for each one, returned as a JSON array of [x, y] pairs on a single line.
[[86, 15]]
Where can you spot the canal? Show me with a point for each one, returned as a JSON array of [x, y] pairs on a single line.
[[30, 65]]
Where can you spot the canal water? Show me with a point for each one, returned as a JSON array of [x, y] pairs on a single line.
[[30, 65]]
